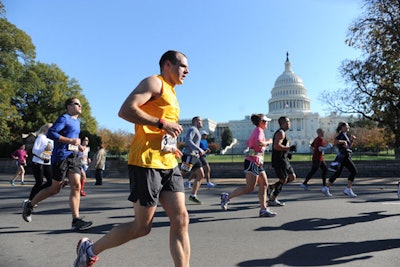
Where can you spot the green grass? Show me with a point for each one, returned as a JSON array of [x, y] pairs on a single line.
[[300, 157]]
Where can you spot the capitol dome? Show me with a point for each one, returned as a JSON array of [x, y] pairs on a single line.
[[289, 93]]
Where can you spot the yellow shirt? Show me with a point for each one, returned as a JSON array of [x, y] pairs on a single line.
[[145, 149]]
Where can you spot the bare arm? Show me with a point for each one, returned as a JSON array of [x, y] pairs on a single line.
[[148, 89], [279, 137]]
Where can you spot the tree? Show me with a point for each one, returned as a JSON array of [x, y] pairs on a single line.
[[116, 143], [31, 93], [374, 80], [16, 49], [226, 138]]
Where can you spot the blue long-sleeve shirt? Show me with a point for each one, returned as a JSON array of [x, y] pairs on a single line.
[[66, 126]]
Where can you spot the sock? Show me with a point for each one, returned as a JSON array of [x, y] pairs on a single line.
[[82, 184]]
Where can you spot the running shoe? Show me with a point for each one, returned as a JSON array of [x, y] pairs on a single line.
[[79, 224], [194, 199], [27, 210], [22, 183], [211, 185], [275, 203], [83, 194], [187, 184], [224, 201], [83, 259], [304, 186], [325, 190], [12, 183], [349, 192], [267, 213]]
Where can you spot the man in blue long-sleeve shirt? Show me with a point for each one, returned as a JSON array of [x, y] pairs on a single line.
[[65, 163]]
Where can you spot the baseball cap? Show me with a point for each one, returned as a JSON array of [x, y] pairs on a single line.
[[203, 132], [265, 118]]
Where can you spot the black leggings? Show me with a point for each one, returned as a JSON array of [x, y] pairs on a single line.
[[40, 171], [316, 164], [349, 164]]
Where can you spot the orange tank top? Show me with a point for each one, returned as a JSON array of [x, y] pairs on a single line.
[[145, 150]]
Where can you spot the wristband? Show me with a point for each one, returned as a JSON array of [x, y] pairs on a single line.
[[160, 123]]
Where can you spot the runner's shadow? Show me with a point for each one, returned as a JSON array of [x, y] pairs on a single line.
[[325, 254]]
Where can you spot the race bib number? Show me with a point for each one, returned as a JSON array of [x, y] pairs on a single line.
[[168, 143], [72, 147], [186, 167], [46, 155]]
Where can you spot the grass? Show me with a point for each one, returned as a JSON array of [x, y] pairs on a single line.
[[300, 157]]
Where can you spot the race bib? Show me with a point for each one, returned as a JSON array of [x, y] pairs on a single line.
[[72, 147], [46, 155], [168, 143], [186, 167]]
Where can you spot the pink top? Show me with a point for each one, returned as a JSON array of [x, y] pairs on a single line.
[[256, 136], [21, 154]]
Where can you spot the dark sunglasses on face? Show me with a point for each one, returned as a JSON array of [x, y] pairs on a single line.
[[77, 104]]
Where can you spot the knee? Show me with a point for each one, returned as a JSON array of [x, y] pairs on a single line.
[[55, 190], [180, 221], [291, 178], [249, 189], [144, 230]]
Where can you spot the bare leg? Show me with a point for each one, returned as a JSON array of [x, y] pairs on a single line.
[[174, 205], [251, 182], [125, 232], [199, 176], [262, 190], [75, 193], [47, 192]]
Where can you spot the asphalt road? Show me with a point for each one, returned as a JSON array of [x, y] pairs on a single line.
[[311, 230]]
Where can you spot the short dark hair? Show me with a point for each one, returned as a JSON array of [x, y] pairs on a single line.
[[282, 119], [195, 119], [170, 55]]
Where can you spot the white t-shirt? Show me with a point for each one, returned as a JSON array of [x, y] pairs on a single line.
[[42, 148]]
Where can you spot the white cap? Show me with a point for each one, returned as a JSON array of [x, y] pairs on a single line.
[[203, 132], [265, 118]]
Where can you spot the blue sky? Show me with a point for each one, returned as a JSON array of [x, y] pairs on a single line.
[[236, 49]]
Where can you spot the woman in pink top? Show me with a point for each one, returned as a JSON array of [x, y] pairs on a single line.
[[253, 167], [20, 155]]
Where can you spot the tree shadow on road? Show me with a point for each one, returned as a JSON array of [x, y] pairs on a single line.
[[325, 254], [317, 224]]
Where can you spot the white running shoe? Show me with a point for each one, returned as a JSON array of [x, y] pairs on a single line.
[[349, 192], [325, 190], [224, 201], [83, 259], [275, 203]]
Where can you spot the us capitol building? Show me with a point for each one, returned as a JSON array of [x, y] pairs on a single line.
[[288, 98]]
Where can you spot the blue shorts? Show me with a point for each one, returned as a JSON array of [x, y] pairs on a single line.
[[147, 184]]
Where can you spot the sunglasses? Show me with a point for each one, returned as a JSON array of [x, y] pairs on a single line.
[[76, 104]]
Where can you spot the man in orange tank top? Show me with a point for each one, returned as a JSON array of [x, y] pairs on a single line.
[[153, 167]]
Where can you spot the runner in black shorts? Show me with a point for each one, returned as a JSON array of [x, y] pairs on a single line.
[[147, 184], [280, 161]]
